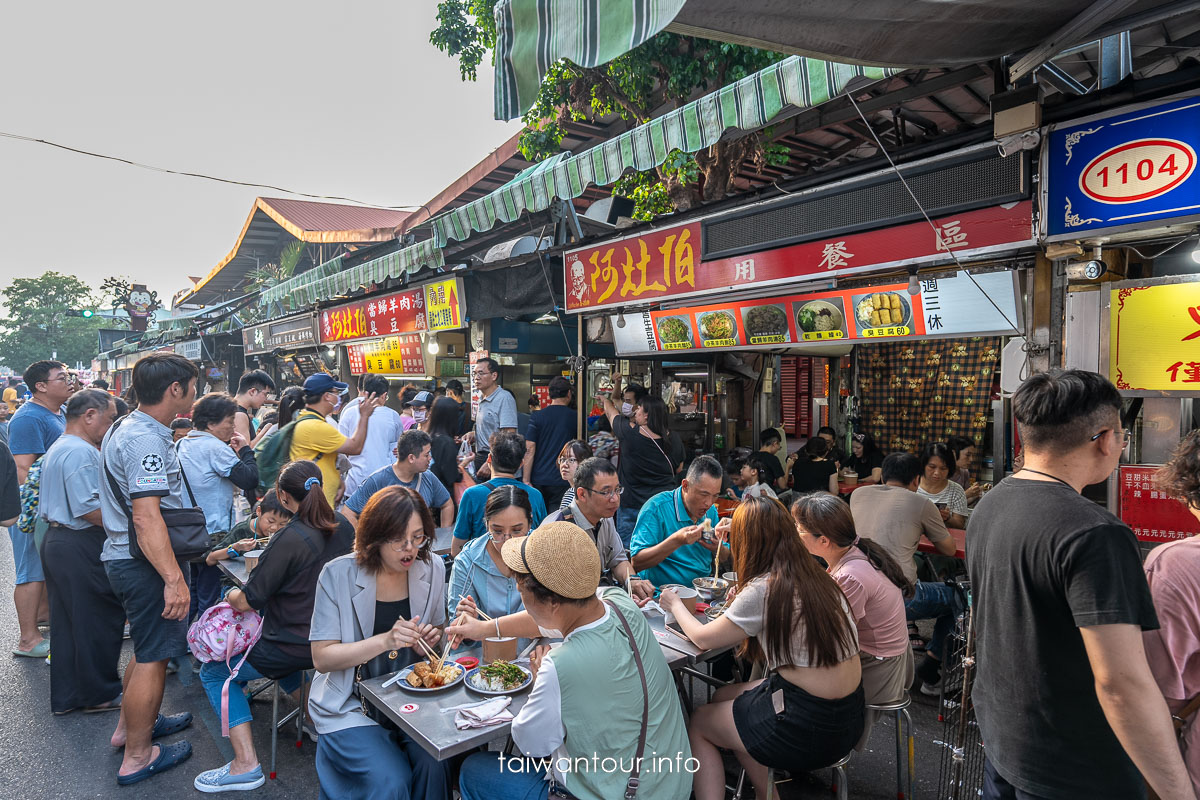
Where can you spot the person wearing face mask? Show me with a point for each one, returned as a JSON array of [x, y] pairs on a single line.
[[383, 430], [416, 410], [651, 456], [480, 580], [606, 691], [314, 439]]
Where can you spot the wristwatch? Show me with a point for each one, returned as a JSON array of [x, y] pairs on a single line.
[[233, 554]]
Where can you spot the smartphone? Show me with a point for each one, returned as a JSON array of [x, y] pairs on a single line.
[[942, 506]]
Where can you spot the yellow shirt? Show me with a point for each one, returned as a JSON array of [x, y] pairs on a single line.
[[10, 397], [314, 439]]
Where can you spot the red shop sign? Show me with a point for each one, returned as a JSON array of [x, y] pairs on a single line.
[[402, 312], [664, 263], [1152, 515]]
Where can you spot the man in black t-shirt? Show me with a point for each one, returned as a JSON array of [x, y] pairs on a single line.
[[1066, 701], [770, 441]]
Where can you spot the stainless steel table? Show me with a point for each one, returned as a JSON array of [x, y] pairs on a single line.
[[235, 570], [670, 640], [428, 725]]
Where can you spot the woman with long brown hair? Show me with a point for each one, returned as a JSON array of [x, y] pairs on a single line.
[[791, 618], [875, 588]]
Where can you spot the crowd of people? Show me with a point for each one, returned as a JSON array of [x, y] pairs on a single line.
[[121, 517]]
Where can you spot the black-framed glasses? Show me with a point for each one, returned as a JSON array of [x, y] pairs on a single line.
[[1126, 436], [608, 494]]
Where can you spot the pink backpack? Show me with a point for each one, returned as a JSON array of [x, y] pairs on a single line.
[[221, 633]]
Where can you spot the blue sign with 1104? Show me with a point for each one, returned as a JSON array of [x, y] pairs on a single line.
[[1125, 170]]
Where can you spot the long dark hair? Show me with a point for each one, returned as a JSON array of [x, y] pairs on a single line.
[[314, 509], [822, 514], [764, 542], [443, 418], [868, 444], [656, 414], [291, 401]]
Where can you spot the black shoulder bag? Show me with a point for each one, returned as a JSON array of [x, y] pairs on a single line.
[[187, 529]]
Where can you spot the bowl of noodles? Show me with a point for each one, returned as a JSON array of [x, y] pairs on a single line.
[[769, 320]]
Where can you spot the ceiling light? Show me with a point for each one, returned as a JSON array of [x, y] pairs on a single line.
[[433, 345], [1196, 254], [621, 319], [914, 285]]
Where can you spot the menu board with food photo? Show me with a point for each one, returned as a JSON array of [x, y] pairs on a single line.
[[717, 328], [821, 320], [766, 324], [883, 314], [675, 332]]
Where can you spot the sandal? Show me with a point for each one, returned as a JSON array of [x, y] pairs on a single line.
[[39, 650], [111, 705], [165, 726], [169, 755]]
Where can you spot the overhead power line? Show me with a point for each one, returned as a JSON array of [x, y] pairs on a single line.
[[202, 176]]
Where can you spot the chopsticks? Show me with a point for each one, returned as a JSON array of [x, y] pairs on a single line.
[[717, 556]]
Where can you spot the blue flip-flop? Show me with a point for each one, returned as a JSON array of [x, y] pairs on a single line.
[[169, 755], [165, 726]]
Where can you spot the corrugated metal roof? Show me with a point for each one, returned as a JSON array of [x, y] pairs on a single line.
[[303, 216]]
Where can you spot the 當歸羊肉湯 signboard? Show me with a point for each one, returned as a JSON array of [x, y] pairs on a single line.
[[1123, 171]]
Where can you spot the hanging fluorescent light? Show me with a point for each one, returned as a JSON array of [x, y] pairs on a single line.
[[549, 318]]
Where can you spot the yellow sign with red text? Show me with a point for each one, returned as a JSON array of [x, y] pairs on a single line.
[[443, 310], [1155, 344]]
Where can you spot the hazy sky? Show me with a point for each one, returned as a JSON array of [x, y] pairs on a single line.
[[340, 99]]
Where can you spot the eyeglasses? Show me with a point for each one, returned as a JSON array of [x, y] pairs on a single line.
[[1126, 436], [607, 494], [567, 460], [64, 378], [399, 545]]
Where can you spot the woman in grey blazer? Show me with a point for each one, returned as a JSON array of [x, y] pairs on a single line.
[[378, 600]]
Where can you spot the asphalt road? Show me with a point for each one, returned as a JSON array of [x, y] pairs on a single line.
[[70, 757]]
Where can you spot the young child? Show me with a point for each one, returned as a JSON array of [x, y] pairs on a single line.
[[753, 476], [270, 516]]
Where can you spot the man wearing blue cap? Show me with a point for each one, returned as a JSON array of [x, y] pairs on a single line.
[[314, 439]]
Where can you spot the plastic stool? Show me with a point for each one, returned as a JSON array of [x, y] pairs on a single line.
[[904, 744]]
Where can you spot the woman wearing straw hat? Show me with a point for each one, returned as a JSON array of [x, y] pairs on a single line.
[[603, 707], [808, 712]]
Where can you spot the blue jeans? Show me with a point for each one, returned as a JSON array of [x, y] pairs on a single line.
[[626, 521], [204, 583], [490, 775], [936, 601], [213, 675]]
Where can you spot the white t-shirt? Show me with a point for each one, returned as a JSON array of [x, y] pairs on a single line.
[[759, 490], [379, 450]]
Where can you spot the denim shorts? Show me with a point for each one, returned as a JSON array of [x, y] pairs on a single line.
[[25, 556], [140, 589]]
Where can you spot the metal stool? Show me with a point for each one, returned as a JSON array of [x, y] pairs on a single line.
[[840, 786], [899, 710], [298, 713]]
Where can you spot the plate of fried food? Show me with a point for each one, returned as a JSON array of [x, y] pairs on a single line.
[[882, 309], [425, 677]]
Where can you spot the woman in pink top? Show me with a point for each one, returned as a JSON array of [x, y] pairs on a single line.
[[875, 588], [1173, 572]]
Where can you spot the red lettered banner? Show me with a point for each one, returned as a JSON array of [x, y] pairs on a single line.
[[402, 312], [1153, 516], [665, 263]]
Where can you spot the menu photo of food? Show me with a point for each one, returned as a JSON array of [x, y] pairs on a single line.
[[717, 328], [821, 320], [766, 324], [674, 333], [883, 314]]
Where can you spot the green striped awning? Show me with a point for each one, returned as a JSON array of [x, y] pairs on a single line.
[[329, 280], [533, 34], [746, 105]]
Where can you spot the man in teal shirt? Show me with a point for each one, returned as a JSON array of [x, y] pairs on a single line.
[[668, 544], [506, 455]]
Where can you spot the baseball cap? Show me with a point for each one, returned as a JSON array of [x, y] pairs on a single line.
[[560, 556], [420, 399], [323, 382]]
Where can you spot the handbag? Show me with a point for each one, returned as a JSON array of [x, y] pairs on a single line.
[[221, 633], [187, 529]]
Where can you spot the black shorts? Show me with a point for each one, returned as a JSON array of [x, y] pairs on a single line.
[[140, 589], [810, 733]]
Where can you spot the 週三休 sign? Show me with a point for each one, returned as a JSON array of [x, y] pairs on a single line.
[[1155, 337], [1122, 170]]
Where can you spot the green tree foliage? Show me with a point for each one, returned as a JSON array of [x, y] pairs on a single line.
[[662, 74], [37, 324]]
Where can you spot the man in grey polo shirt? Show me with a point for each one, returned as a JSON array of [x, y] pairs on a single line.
[[140, 463], [597, 497], [497, 409], [85, 614]]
